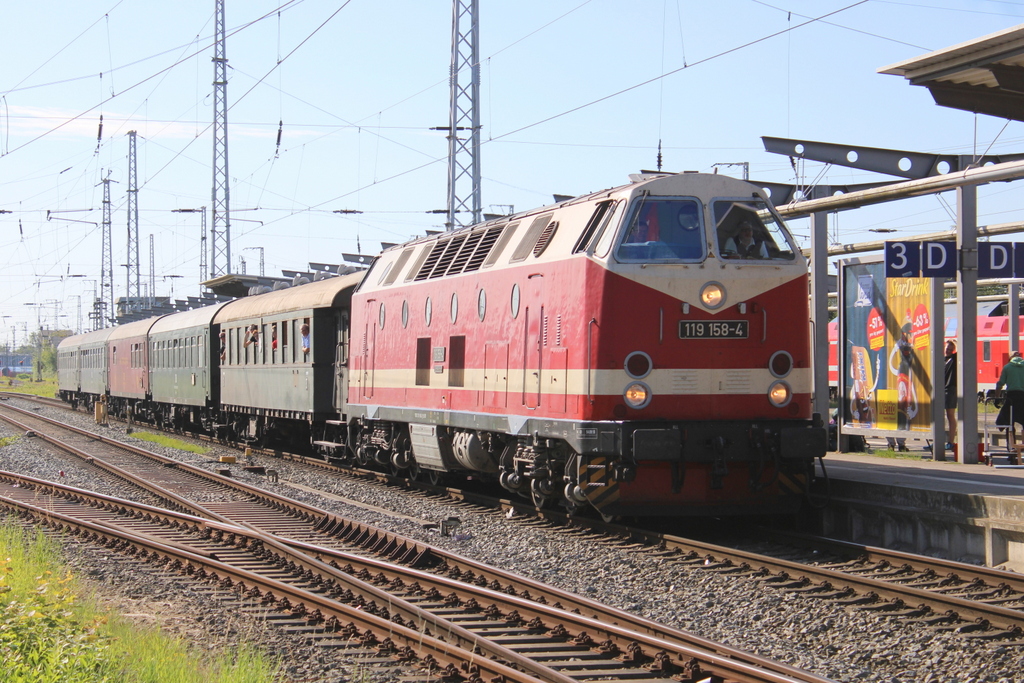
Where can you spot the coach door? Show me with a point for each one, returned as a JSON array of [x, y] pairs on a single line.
[[341, 364]]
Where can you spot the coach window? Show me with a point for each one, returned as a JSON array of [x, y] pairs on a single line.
[[986, 351], [423, 361], [284, 341]]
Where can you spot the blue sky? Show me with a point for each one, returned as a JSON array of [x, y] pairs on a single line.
[[575, 95]]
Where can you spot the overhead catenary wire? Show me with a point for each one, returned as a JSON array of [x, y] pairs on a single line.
[[132, 87]]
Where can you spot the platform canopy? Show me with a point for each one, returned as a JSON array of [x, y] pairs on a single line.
[[984, 76]]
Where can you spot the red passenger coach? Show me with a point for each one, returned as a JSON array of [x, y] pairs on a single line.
[[128, 363], [643, 350]]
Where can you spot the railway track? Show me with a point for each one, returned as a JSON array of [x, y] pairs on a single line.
[[976, 602], [504, 617]]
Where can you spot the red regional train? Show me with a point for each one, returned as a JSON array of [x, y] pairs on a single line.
[[644, 350]]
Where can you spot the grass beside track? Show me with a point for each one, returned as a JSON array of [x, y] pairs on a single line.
[[170, 442], [49, 633], [24, 384]]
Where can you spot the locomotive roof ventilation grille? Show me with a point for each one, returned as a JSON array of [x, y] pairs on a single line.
[[545, 238], [462, 253]]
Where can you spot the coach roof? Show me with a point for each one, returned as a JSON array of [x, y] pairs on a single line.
[[94, 337], [327, 293], [197, 317]]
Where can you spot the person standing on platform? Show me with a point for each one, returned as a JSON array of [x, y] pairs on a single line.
[[1012, 377], [951, 393]]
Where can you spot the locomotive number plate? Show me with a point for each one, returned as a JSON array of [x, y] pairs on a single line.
[[718, 329]]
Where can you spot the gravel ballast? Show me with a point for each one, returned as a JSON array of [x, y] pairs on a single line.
[[837, 643]]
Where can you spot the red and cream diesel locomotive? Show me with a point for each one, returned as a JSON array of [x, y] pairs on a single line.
[[643, 350]]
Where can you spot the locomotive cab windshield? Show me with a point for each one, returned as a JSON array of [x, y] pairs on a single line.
[[748, 230], [665, 229]]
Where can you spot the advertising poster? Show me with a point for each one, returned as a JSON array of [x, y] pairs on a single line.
[[886, 355]]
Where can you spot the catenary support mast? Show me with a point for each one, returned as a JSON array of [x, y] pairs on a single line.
[[220, 260], [106, 298], [464, 206], [132, 296]]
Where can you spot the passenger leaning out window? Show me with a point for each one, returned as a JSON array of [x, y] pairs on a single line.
[[253, 337]]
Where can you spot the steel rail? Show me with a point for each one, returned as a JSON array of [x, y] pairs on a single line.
[[311, 559], [418, 641]]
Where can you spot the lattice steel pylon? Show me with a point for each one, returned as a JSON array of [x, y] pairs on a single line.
[[220, 230], [106, 297], [464, 116], [132, 297]]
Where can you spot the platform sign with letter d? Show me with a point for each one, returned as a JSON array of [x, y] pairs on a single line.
[[938, 259], [995, 259]]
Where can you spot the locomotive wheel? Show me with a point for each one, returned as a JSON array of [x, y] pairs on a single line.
[[435, 477], [540, 497], [414, 472]]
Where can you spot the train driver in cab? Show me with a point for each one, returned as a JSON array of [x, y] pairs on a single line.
[[743, 245]]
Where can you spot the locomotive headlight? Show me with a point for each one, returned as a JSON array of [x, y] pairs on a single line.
[[637, 395], [712, 295], [779, 394]]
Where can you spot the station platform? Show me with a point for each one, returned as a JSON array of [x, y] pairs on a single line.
[[973, 513]]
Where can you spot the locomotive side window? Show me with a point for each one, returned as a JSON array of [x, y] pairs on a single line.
[[603, 239], [592, 225], [747, 230], [663, 229]]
